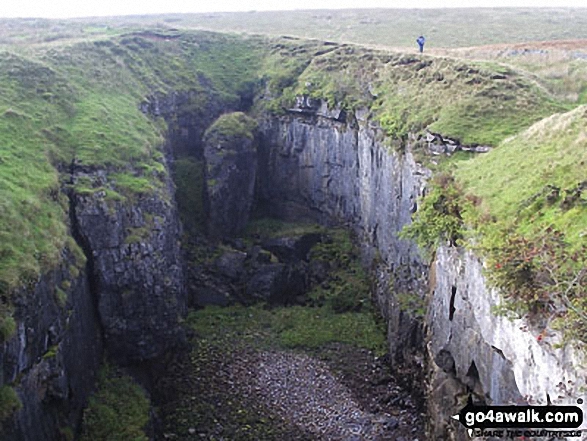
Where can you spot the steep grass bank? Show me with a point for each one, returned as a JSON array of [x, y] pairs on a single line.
[[523, 208], [537, 178], [80, 104]]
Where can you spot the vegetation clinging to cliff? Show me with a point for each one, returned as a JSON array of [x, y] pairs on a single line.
[[9, 402], [525, 206], [231, 126], [118, 410], [439, 218]]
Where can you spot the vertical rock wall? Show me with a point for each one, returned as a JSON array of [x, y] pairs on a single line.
[[137, 267], [53, 359], [335, 169], [320, 164], [501, 361]]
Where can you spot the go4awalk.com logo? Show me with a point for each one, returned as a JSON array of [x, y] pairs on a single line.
[[521, 421]]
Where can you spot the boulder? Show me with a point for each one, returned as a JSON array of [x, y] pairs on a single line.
[[292, 248]]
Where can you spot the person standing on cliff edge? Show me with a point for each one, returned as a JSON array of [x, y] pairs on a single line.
[[421, 40]]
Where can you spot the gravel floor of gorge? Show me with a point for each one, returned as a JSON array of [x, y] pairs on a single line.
[[244, 392]]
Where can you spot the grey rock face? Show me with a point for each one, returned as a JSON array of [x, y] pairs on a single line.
[[313, 165], [497, 359], [137, 268], [230, 153], [54, 356]]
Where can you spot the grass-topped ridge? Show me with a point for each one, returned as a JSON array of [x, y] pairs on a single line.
[[81, 104], [525, 206], [476, 103]]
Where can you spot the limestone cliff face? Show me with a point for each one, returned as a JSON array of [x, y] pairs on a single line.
[[137, 267], [334, 168], [500, 360], [53, 358]]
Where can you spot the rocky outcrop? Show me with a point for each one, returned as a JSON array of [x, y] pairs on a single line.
[[230, 153], [53, 358], [335, 168], [500, 361], [136, 264], [277, 271], [438, 144]]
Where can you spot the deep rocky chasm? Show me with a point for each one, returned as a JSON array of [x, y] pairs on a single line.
[[126, 295]]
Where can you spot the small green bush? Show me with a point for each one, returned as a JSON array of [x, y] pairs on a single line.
[[7, 325], [117, 411], [439, 217], [9, 402]]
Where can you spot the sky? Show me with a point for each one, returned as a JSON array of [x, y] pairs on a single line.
[[90, 8]]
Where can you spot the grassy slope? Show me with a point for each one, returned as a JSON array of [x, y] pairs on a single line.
[[511, 180], [82, 102], [558, 66], [477, 102]]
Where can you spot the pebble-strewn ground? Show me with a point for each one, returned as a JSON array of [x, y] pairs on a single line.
[[247, 393]]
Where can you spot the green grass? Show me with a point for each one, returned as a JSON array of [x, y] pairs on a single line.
[[471, 102], [9, 402], [230, 127], [296, 327], [511, 179], [117, 411], [559, 67], [7, 325], [32, 229]]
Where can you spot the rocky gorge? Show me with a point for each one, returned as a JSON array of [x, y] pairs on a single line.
[[126, 279]]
